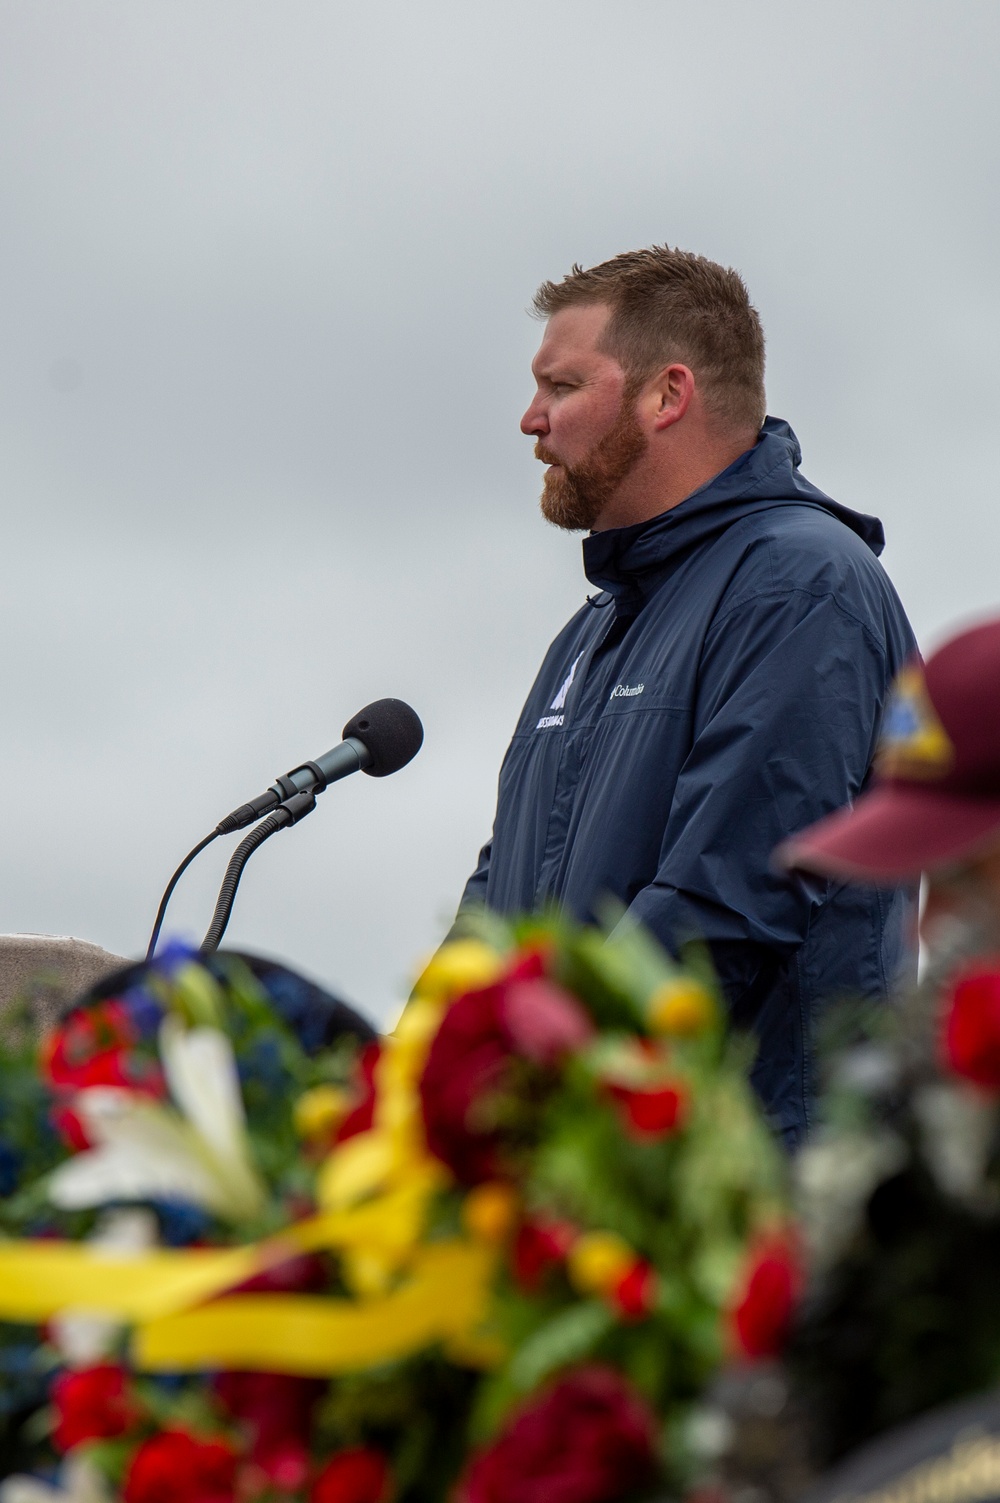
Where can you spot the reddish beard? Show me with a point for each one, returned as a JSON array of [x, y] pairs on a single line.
[[573, 496]]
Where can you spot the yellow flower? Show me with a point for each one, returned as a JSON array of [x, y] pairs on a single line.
[[393, 1150], [489, 1212], [461, 966], [359, 1168], [367, 1271], [597, 1261], [321, 1109], [682, 1007]]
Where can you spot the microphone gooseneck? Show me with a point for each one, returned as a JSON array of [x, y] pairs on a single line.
[[378, 740], [230, 882], [288, 813]]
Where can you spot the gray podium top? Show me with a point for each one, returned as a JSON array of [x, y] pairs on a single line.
[[49, 970]]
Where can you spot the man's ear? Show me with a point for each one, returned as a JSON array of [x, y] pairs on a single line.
[[670, 392]]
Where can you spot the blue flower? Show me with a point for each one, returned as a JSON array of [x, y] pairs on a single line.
[[172, 1385], [303, 1006], [260, 1061], [18, 1360], [180, 1222], [316, 1016], [22, 1384], [175, 954], [10, 1168], [145, 1011]]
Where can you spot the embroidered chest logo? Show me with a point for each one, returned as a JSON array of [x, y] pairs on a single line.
[[914, 743], [559, 703], [626, 691]]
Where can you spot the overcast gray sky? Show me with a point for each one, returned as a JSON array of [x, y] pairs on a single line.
[[263, 352]]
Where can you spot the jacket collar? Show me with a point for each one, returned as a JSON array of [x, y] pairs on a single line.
[[631, 562]]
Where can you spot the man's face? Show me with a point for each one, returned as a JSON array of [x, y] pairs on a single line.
[[583, 419]]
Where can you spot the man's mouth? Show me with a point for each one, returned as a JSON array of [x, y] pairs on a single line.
[[546, 457]]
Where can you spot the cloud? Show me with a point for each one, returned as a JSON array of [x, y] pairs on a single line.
[[264, 275]]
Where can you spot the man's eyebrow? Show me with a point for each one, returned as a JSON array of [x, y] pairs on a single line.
[[554, 371]]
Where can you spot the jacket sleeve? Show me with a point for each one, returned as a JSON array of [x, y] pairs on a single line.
[[790, 694], [475, 889]]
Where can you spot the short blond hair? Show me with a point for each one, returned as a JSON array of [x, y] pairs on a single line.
[[671, 305]]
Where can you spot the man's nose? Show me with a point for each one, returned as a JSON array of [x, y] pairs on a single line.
[[535, 422]]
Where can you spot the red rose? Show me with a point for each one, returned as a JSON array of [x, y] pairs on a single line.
[[277, 1409], [174, 1467], [529, 964], [522, 1016], [543, 1022], [284, 1466], [363, 1115], [538, 1247], [762, 1313], [92, 1048], [354, 1476], [91, 1404], [468, 1059], [651, 1113], [972, 1028], [634, 1295], [69, 1125], [589, 1439]]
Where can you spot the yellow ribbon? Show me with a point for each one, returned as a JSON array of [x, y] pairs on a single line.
[[443, 1297], [373, 1191], [42, 1279]]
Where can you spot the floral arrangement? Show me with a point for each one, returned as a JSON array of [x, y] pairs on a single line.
[[495, 1255], [899, 1203]]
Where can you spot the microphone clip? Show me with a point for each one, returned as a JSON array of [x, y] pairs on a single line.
[[297, 806], [287, 787], [280, 792]]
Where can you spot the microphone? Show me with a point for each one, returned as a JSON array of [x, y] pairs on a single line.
[[378, 740]]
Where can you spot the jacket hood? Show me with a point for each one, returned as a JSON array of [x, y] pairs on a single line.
[[762, 478]]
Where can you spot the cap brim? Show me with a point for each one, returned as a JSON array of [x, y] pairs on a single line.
[[892, 834]]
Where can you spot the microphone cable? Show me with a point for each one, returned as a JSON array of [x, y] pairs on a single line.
[[168, 891]]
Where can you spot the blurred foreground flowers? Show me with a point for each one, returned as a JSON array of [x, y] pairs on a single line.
[[498, 1254], [898, 1198]]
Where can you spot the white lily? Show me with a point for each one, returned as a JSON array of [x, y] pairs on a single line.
[[82, 1337], [79, 1482], [147, 1151]]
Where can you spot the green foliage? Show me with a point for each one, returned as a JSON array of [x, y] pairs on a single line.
[[109, 1457], [416, 1411], [687, 1201], [29, 1144], [568, 1337]]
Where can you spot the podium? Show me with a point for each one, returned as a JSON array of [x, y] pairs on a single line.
[[49, 970]]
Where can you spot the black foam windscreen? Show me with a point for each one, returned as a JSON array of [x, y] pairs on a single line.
[[392, 733]]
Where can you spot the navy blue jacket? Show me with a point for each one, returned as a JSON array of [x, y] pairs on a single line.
[[724, 690]]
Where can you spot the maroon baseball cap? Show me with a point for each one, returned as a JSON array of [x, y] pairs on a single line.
[[935, 795]]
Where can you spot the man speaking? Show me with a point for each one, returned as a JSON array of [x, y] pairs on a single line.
[[724, 686]]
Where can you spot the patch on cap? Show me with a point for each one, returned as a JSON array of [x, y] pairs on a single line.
[[914, 743]]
